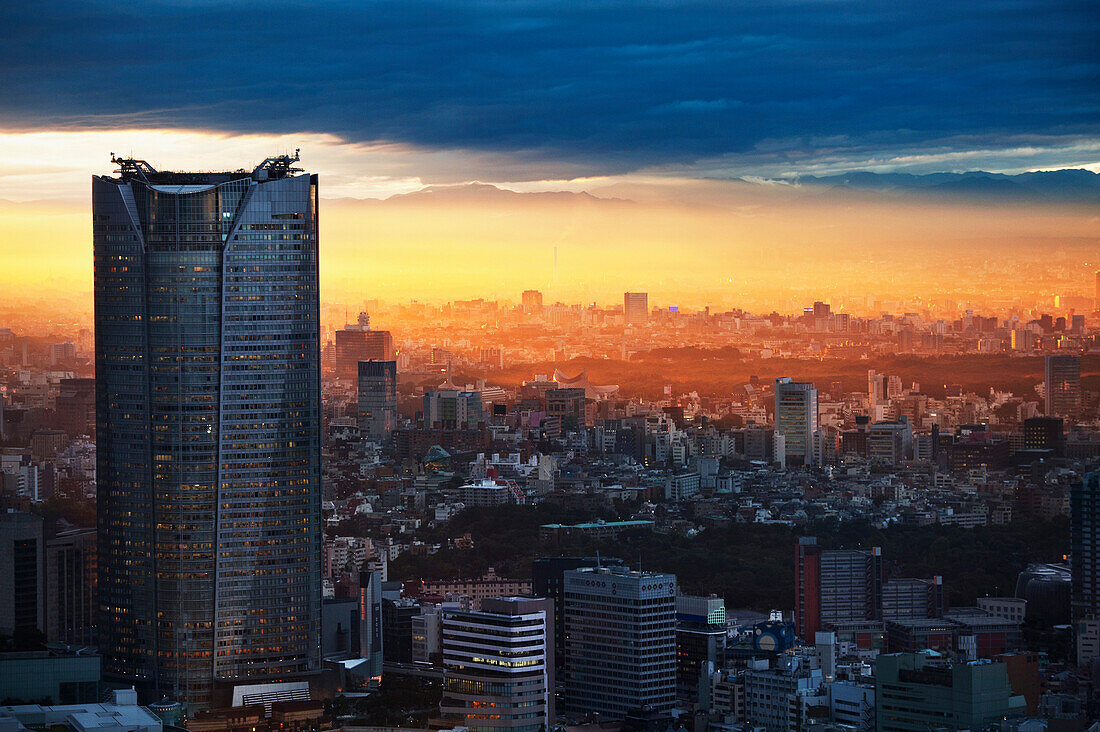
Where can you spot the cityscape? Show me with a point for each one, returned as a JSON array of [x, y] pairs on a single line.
[[403, 394]]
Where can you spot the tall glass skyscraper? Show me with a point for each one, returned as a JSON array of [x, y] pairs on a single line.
[[208, 420]]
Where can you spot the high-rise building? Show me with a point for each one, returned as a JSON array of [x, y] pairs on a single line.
[[532, 300], [700, 642], [1084, 547], [498, 665], [548, 580], [620, 641], [22, 573], [636, 307], [208, 418], [357, 342], [796, 420], [377, 399], [71, 559], [835, 586], [1062, 386]]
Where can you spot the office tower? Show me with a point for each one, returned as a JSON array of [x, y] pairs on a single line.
[[835, 586], [1084, 547], [397, 619], [796, 420], [620, 641], [22, 574], [377, 399], [1096, 294], [71, 560], [636, 307], [498, 665], [1062, 386], [208, 422], [700, 642], [357, 342], [548, 580], [451, 409], [532, 300], [370, 624], [1044, 433], [914, 691]]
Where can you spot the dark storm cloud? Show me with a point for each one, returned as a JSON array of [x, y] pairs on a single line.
[[609, 87]]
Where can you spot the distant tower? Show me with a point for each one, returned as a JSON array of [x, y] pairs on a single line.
[[636, 307]]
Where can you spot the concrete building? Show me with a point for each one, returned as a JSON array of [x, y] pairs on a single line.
[[22, 573], [498, 665], [914, 692], [620, 641]]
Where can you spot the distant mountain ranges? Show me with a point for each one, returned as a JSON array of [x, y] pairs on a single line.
[[1067, 186]]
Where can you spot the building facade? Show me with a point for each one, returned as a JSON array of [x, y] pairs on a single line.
[[377, 399], [208, 420], [620, 641], [1062, 386], [796, 420], [498, 665]]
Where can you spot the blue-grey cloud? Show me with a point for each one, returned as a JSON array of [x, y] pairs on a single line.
[[607, 87]]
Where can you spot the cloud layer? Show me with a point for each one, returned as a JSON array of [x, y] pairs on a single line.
[[569, 89]]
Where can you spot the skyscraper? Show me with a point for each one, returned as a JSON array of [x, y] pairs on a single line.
[[357, 342], [636, 307], [796, 419], [377, 398], [620, 641], [1062, 386], [208, 420], [1084, 547]]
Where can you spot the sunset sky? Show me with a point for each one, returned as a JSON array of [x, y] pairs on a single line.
[[663, 105]]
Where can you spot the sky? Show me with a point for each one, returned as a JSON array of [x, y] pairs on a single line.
[[385, 98]]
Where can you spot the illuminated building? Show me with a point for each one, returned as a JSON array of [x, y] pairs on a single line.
[[498, 665], [700, 642], [620, 641], [208, 422]]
